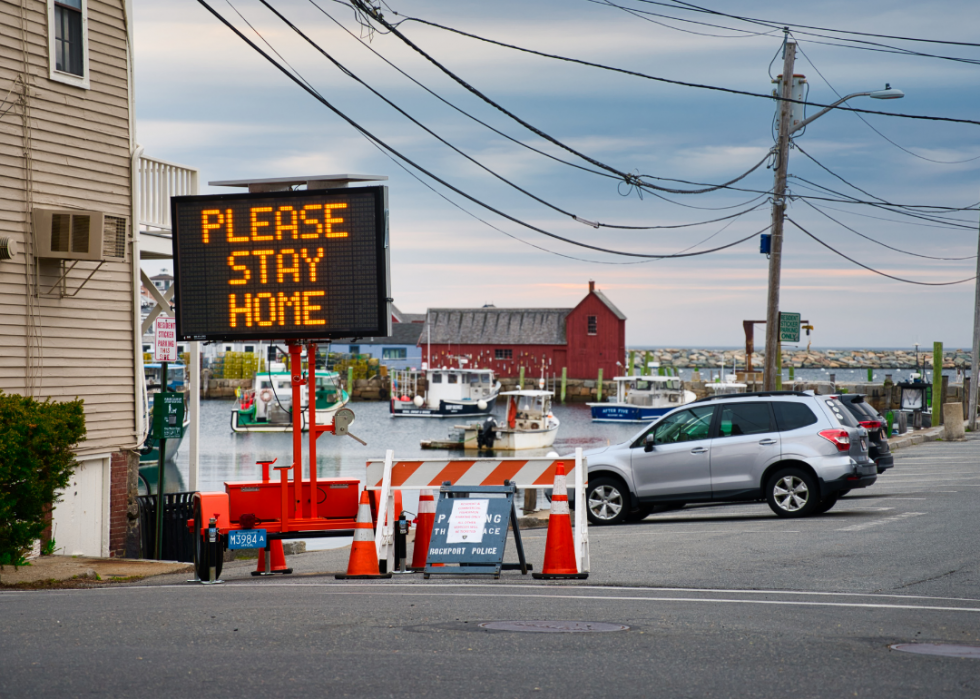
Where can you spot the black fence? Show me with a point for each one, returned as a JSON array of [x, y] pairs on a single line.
[[178, 542]]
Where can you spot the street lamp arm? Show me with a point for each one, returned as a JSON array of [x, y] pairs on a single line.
[[823, 111]]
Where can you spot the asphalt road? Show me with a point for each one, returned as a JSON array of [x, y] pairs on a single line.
[[725, 601]]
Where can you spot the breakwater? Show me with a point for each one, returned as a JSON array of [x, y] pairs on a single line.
[[801, 358]]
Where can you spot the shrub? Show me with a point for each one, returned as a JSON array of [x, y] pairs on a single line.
[[36, 461]]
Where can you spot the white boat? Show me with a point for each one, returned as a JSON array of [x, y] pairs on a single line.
[[450, 392], [176, 382], [729, 384], [267, 406], [641, 399], [530, 424]]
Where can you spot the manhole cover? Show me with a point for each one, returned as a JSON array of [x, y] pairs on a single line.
[[947, 649], [553, 626]]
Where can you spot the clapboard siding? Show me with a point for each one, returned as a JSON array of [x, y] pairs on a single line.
[[80, 147]]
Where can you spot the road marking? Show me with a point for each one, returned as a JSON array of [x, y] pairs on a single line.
[[615, 598], [703, 531], [878, 522]]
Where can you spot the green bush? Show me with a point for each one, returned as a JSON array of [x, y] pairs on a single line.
[[36, 461]]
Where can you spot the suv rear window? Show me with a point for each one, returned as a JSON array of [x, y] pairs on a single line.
[[744, 418], [842, 413], [792, 416]]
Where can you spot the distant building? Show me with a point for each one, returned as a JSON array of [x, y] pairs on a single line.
[[583, 339], [400, 350]]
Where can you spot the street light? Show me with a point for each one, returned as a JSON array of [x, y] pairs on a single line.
[[786, 129]]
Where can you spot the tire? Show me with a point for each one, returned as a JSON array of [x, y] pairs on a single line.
[[827, 503], [792, 492], [639, 514], [205, 551], [842, 493], [607, 501]]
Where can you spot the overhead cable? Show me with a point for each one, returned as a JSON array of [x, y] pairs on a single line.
[[634, 73], [872, 269], [886, 245], [316, 95]]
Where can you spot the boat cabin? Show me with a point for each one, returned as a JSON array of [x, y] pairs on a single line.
[[460, 384], [647, 390], [176, 376], [528, 409]]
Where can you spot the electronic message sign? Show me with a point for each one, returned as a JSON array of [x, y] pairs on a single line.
[[302, 265]]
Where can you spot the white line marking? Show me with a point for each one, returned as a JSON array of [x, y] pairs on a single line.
[[878, 522]]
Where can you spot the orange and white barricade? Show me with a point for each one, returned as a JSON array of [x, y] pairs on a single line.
[[389, 475]]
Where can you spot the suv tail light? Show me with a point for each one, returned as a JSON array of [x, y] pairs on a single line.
[[839, 438], [871, 425]]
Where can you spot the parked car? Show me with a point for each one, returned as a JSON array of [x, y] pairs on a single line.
[[871, 420], [794, 450]]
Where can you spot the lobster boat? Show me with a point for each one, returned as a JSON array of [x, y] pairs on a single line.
[[530, 424], [641, 399], [449, 393], [267, 406], [176, 382]]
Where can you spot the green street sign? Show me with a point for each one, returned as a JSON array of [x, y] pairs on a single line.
[[168, 415], [789, 327]]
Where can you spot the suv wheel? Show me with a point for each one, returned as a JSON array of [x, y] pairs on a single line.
[[827, 503], [792, 492], [608, 501]]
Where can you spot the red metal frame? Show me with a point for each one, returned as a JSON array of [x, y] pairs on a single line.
[[277, 507]]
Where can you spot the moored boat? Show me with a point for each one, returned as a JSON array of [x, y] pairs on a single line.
[[641, 399], [450, 392], [530, 424], [176, 382], [727, 385], [267, 406]]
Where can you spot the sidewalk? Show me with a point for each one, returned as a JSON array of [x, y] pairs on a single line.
[[910, 438], [87, 569]]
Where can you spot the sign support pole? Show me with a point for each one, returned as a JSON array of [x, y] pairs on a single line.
[[581, 522], [162, 454], [382, 537]]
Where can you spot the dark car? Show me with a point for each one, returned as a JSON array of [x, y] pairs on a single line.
[[874, 423]]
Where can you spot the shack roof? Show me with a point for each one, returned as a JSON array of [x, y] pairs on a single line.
[[496, 326], [401, 334]]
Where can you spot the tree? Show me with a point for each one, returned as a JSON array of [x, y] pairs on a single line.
[[36, 461]]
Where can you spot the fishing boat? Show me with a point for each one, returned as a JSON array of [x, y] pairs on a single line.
[[530, 424], [449, 392], [727, 385], [176, 382], [267, 406], [641, 399]]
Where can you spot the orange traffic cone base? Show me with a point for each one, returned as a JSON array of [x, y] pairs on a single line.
[[277, 556]]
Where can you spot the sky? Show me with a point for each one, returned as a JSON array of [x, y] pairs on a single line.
[[205, 99]]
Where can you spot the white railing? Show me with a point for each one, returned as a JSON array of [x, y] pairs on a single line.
[[158, 181]]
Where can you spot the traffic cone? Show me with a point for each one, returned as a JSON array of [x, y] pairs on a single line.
[[559, 548], [278, 562], [363, 563], [423, 529]]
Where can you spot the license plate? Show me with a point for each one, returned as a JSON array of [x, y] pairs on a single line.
[[247, 539]]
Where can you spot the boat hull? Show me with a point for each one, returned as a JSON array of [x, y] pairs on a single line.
[[238, 424], [152, 456], [514, 440], [614, 412], [466, 408]]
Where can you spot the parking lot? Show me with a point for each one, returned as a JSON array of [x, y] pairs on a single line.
[[719, 600]]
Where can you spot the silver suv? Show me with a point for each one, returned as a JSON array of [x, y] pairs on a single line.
[[795, 450]]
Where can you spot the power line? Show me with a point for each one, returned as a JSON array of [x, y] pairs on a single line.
[[885, 245], [544, 202], [314, 93], [767, 23], [868, 123], [872, 269], [639, 14], [624, 71]]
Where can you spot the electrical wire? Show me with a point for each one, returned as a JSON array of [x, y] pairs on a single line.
[[886, 245], [888, 220], [455, 107], [698, 8], [868, 123], [594, 224], [314, 93], [872, 269], [640, 14]]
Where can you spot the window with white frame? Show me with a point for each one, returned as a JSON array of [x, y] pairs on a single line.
[[68, 42], [593, 325]]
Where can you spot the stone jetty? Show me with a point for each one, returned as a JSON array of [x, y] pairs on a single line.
[[801, 358]]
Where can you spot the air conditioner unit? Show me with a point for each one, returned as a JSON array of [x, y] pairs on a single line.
[[72, 234]]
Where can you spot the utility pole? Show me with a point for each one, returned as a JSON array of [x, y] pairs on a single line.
[[778, 212], [975, 360]]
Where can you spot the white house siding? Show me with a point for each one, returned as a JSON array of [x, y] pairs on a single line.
[[79, 145]]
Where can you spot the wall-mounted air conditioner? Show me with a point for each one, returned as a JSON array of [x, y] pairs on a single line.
[[72, 234]]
